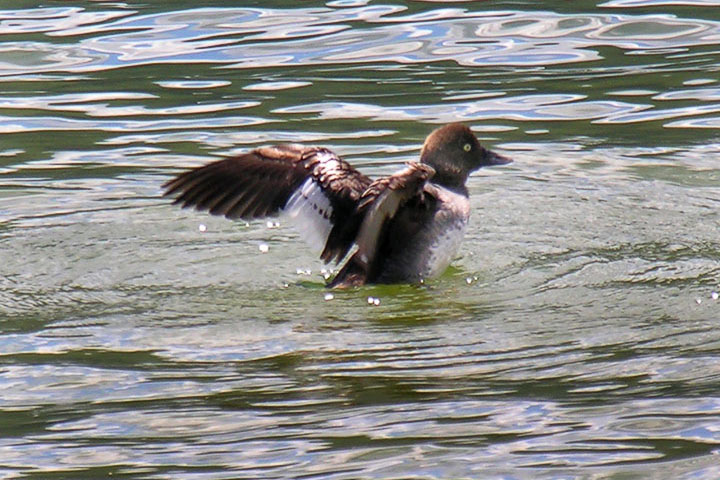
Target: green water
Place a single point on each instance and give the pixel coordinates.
(575, 336)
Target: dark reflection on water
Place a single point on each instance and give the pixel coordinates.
(575, 337)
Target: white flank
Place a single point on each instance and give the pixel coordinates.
(444, 249)
(309, 210)
(446, 245)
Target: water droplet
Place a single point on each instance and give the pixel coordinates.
(469, 280)
(329, 296)
(202, 227)
(715, 295)
(698, 300)
(263, 247)
(373, 301)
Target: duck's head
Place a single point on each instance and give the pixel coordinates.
(454, 152)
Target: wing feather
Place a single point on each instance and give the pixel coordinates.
(380, 203)
(261, 182)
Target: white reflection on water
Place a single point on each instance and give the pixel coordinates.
(523, 107)
(276, 85)
(704, 94)
(193, 84)
(657, 3)
(38, 123)
(708, 122)
(88, 103)
(230, 37)
(225, 139)
(264, 37)
(47, 20)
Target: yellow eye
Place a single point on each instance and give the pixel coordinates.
(467, 147)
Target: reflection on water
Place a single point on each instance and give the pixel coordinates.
(539, 108)
(576, 335)
(274, 37)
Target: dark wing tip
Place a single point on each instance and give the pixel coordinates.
(261, 182)
(248, 186)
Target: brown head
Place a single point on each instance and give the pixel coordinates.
(454, 152)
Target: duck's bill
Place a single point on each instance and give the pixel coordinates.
(492, 158)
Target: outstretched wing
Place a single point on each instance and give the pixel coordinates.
(312, 185)
(379, 205)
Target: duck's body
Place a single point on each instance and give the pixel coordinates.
(422, 246)
(407, 227)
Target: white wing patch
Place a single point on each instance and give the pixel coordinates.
(310, 211)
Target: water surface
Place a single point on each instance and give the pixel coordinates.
(574, 337)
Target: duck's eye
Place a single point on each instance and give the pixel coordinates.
(467, 147)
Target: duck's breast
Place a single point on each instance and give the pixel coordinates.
(430, 249)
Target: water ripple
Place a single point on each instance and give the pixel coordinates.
(576, 334)
(41, 124)
(87, 103)
(267, 37)
(655, 3)
(524, 108)
(254, 39)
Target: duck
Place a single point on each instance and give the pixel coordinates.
(403, 228)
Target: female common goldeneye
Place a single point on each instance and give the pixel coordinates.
(407, 227)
